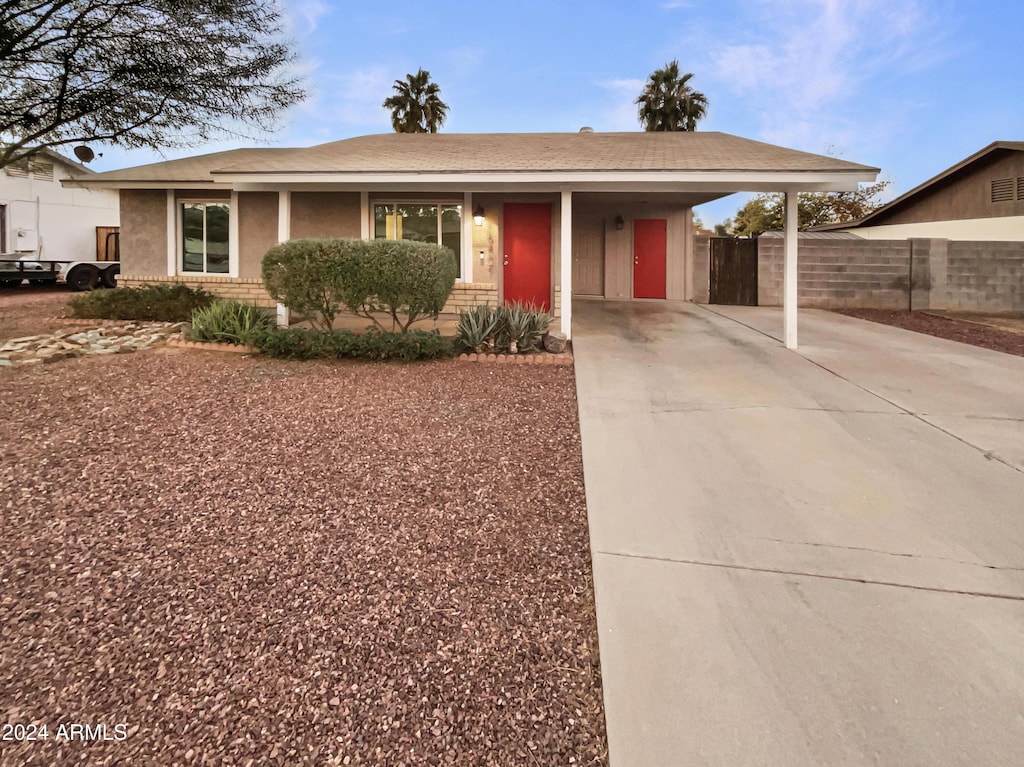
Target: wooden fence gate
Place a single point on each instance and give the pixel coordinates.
(733, 271)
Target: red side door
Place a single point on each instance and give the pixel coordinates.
(649, 248)
(527, 262)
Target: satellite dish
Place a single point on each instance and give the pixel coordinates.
(84, 153)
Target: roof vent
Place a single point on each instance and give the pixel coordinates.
(586, 129)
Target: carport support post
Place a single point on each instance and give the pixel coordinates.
(284, 233)
(789, 272)
(565, 270)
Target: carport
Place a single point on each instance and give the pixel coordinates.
(618, 220)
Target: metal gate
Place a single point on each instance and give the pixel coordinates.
(733, 272)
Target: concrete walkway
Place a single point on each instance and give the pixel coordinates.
(811, 558)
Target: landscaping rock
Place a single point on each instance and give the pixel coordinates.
(554, 342)
(114, 338)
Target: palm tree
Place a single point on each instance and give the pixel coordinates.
(416, 106)
(668, 103)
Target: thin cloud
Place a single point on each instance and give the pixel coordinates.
(344, 103)
(310, 12)
(675, 5)
(823, 58)
(621, 114)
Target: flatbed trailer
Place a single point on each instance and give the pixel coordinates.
(77, 275)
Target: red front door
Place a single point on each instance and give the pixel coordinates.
(649, 247)
(527, 262)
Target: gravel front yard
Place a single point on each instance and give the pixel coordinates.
(1002, 334)
(237, 561)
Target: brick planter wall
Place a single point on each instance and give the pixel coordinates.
(466, 295)
(249, 289)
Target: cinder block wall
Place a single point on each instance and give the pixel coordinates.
(838, 273)
(898, 274)
(985, 276)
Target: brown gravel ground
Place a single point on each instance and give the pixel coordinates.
(977, 331)
(252, 562)
(31, 310)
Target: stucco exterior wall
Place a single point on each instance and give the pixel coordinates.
(325, 214)
(618, 243)
(489, 239)
(144, 232)
(257, 230)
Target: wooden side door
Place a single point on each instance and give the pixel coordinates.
(526, 267)
(588, 258)
(650, 244)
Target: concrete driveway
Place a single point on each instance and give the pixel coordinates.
(810, 558)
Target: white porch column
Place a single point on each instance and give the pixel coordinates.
(466, 267)
(789, 272)
(364, 215)
(172, 234)
(234, 235)
(565, 270)
(284, 233)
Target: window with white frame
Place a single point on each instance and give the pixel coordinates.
(204, 236)
(439, 223)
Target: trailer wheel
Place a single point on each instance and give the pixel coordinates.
(83, 277)
(10, 283)
(108, 277)
(38, 282)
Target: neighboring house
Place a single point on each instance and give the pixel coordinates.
(42, 217)
(979, 199)
(531, 217)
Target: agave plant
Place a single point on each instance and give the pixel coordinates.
(521, 327)
(229, 321)
(477, 328)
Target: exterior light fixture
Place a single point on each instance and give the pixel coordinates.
(478, 215)
(620, 222)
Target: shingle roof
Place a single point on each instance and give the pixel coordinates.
(469, 153)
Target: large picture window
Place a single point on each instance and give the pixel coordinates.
(437, 223)
(204, 237)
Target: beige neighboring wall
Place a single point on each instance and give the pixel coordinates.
(144, 232)
(325, 214)
(1002, 229)
(257, 229)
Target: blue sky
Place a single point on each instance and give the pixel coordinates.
(910, 86)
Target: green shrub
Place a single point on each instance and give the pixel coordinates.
(514, 329)
(154, 303)
(307, 344)
(410, 346)
(409, 281)
(304, 343)
(229, 321)
(305, 275)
